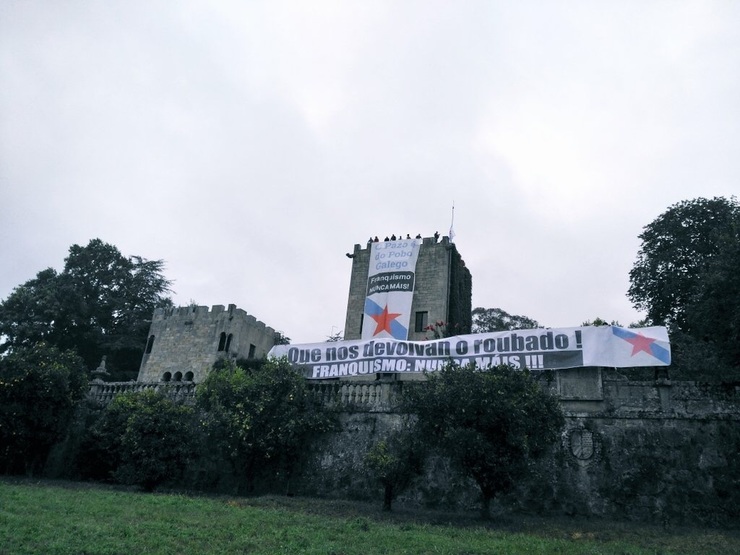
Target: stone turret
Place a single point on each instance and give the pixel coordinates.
(442, 292)
(185, 342)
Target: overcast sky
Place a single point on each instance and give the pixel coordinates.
(250, 145)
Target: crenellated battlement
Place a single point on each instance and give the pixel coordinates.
(425, 242)
(192, 313)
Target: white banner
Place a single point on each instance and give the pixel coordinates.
(390, 289)
(538, 349)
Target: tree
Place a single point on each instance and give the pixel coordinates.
(395, 460)
(100, 304)
(491, 423)
(261, 417)
(687, 277)
(487, 320)
(281, 338)
(713, 315)
(600, 322)
(40, 387)
(678, 249)
(143, 438)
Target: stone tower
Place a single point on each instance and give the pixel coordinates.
(185, 342)
(442, 292)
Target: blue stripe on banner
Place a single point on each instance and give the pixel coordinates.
(372, 308)
(398, 331)
(659, 352)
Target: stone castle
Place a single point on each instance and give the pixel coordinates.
(646, 448)
(185, 342)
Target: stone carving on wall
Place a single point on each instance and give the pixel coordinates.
(583, 445)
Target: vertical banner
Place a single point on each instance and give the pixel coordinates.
(390, 289)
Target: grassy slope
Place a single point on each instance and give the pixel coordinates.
(62, 517)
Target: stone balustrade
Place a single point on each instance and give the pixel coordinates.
(357, 397)
(620, 398)
(105, 392)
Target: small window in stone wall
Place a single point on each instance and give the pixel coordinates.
(166, 377)
(222, 341)
(421, 321)
(362, 321)
(178, 376)
(188, 376)
(228, 342)
(149, 344)
(252, 348)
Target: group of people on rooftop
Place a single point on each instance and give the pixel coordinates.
(400, 238)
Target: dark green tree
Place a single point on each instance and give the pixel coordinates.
(281, 338)
(678, 250)
(141, 438)
(491, 423)
(40, 387)
(261, 418)
(487, 320)
(395, 461)
(686, 277)
(100, 304)
(713, 315)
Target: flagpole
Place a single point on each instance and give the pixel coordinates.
(452, 223)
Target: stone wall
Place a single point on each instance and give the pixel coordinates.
(654, 451)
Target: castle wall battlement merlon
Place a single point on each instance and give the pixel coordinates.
(204, 312)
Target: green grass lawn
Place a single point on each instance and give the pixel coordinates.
(65, 517)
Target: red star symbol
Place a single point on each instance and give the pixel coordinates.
(383, 320)
(640, 343)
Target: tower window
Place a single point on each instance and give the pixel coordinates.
(422, 319)
(222, 341)
(149, 344)
(252, 348)
(228, 342)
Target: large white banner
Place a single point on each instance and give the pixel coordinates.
(390, 289)
(538, 349)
